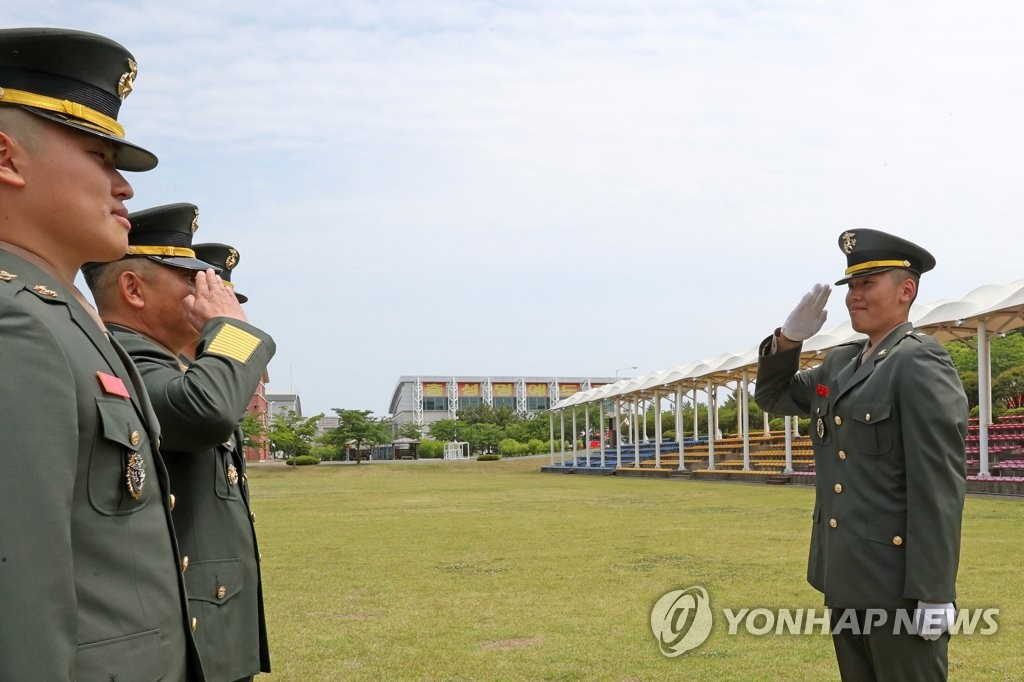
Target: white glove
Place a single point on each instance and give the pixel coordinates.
(931, 620)
(807, 317)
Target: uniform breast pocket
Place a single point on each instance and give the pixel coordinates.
(120, 465)
(873, 428)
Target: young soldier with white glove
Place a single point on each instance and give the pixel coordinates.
(888, 422)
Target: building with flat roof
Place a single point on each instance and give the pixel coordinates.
(281, 403)
(423, 400)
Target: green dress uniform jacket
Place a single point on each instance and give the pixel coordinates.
(200, 408)
(888, 439)
(90, 581)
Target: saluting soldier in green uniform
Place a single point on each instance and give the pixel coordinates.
(90, 582)
(888, 422)
(166, 306)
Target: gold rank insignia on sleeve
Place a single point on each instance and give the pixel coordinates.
(234, 343)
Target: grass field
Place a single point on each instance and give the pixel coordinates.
(494, 571)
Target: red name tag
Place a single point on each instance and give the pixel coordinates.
(112, 385)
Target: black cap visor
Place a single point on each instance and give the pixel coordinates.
(129, 157)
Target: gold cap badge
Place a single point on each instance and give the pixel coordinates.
(127, 81)
(849, 241)
(232, 260)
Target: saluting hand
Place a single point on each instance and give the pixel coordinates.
(212, 299)
(809, 315)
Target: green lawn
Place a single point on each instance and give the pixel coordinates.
(492, 570)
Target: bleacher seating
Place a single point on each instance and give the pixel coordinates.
(767, 458)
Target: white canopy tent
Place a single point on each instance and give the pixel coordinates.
(981, 314)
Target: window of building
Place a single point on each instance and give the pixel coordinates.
(435, 404)
(537, 403)
(505, 402)
(470, 402)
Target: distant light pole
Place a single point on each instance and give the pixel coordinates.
(622, 369)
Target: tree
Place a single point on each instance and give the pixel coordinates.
(485, 414)
(359, 427)
(444, 429)
(412, 431)
(253, 431)
(1008, 387)
(488, 436)
(291, 434)
(970, 382)
(1007, 352)
(533, 428)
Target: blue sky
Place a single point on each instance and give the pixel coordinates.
(568, 187)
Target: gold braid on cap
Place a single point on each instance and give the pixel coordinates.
(161, 251)
(860, 267)
(62, 106)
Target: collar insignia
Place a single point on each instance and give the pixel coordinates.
(44, 290)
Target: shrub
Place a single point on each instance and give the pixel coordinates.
(668, 434)
(488, 458)
(510, 447)
(535, 446)
(431, 449)
(325, 453)
(302, 460)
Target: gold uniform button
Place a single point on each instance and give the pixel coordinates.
(173, 500)
(833, 523)
(867, 416)
(184, 564)
(838, 487)
(842, 454)
(838, 420)
(252, 517)
(222, 592)
(195, 623)
(134, 438)
(897, 540)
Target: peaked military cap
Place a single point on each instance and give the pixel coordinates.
(74, 78)
(164, 234)
(224, 257)
(870, 251)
